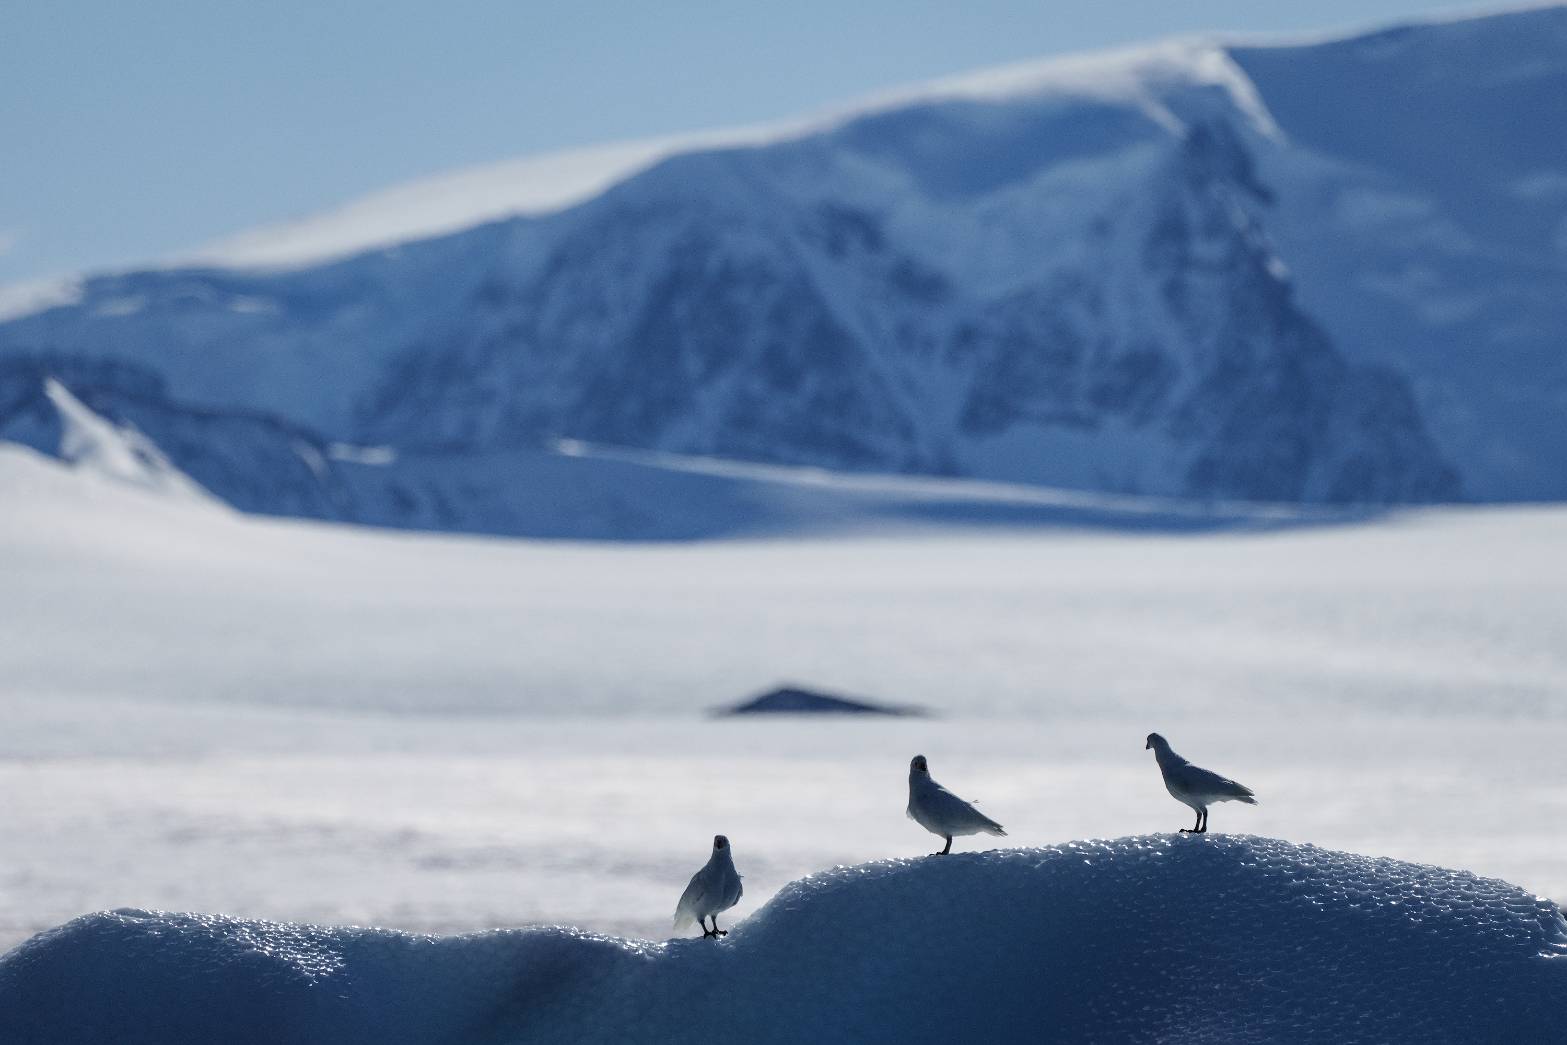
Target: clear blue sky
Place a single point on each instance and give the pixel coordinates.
(135, 129)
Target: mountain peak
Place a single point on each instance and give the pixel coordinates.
(1133, 76)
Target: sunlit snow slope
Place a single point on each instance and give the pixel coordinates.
(1156, 938)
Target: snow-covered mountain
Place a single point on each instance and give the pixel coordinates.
(1320, 272)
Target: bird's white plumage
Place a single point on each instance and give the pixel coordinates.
(1192, 785)
(712, 890)
(941, 812)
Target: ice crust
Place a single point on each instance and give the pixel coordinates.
(1154, 938)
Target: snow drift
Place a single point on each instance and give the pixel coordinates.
(1223, 938)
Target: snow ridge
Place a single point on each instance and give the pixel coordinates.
(548, 182)
(1157, 938)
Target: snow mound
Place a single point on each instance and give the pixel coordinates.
(1157, 938)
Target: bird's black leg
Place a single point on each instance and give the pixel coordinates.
(716, 930)
(1195, 830)
(1202, 823)
(706, 932)
(948, 847)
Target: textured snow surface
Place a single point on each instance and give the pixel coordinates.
(1153, 938)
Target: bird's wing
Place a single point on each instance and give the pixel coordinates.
(692, 900)
(1198, 780)
(954, 812)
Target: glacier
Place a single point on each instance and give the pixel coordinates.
(1145, 938)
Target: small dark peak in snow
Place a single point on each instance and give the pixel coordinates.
(793, 700)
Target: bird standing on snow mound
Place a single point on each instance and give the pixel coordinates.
(941, 812)
(1193, 785)
(713, 889)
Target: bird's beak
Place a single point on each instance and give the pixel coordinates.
(1147, 744)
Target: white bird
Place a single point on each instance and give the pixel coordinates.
(1193, 785)
(713, 889)
(941, 812)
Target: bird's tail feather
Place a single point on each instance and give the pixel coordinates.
(1237, 792)
(683, 920)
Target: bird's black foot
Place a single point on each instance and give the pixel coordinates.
(720, 932)
(1187, 831)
